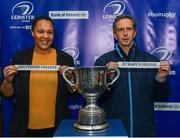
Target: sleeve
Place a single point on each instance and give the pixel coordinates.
(162, 90)
(68, 60)
(71, 64)
(100, 62)
(16, 58)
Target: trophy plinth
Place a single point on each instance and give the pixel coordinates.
(91, 82)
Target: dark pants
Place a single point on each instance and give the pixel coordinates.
(48, 132)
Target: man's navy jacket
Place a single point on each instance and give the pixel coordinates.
(145, 90)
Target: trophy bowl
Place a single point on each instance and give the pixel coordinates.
(91, 82)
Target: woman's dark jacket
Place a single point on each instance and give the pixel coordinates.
(19, 122)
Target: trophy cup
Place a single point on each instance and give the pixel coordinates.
(91, 82)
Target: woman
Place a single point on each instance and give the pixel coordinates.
(0, 103)
(40, 96)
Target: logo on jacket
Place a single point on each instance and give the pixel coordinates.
(113, 9)
(162, 53)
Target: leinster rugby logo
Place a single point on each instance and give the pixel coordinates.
(113, 9)
(23, 8)
(22, 11)
(73, 51)
(162, 53)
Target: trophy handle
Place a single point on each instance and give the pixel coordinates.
(73, 86)
(118, 73)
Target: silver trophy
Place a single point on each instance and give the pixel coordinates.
(91, 82)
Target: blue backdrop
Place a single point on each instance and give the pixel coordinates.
(84, 29)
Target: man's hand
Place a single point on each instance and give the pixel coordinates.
(163, 70)
(112, 64)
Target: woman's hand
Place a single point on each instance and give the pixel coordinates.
(9, 73)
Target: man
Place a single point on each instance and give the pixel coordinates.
(131, 97)
(0, 103)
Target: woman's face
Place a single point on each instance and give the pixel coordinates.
(43, 34)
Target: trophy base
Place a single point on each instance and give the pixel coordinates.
(83, 127)
(91, 115)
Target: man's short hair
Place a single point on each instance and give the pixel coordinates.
(119, 17)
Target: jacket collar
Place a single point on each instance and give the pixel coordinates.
(121, 53)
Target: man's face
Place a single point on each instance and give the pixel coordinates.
(43, 34)
(124, 32)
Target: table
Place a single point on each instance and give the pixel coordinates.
(66, 130)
